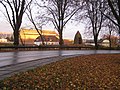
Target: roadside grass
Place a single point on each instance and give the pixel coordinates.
(91, 72)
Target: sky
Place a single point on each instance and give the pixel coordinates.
(5, 27)
(68, 32)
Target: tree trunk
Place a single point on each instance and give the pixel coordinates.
(16, 37)
(60, 38)
(110, 42)
(40, 34)
(119, 36)
(95, 41)
(23, 44)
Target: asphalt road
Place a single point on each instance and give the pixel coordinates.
(10, 58)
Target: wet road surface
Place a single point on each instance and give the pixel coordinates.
(10, 58)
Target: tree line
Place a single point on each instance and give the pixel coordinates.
(99, 15)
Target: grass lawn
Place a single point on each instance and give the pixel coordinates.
(91, 72)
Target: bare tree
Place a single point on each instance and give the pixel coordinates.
(115, 9)
(41, 20)
(14, 12)
(60, 12)
(108, 25)
(113, 6)
(95, 17)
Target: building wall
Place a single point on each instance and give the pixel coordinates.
(29, 35)
(3, 40)
(46, 43)
(105, 43)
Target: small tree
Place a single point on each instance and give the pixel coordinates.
(78, 38)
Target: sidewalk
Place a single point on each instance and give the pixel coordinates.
(7, 71)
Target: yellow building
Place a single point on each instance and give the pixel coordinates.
(28, 36)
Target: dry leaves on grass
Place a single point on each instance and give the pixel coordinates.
(91, 72)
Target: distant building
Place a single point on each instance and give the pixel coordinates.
(48, 40)
(31, 36)
(78, 38)
(5, 37)
(2, 40)
(105, 43)
(113, 39)
(68, 42)
(89, 42)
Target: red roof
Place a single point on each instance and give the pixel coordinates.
(47, 39)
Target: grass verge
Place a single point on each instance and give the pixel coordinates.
(91, 72)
